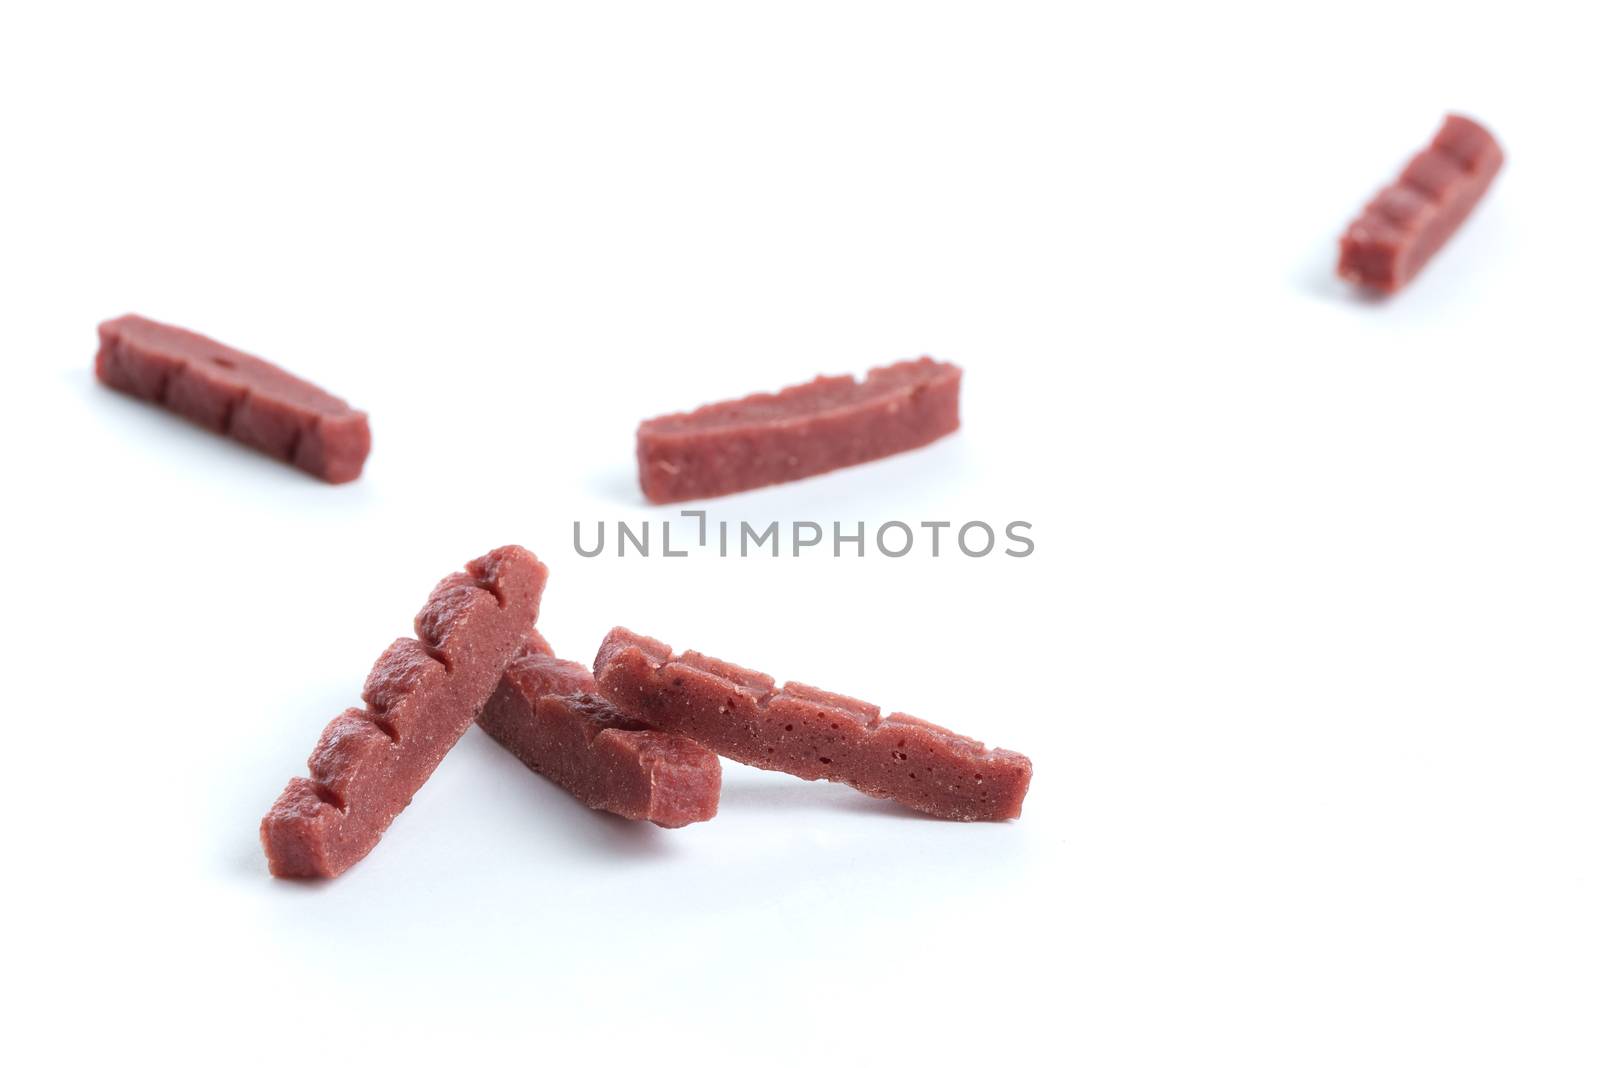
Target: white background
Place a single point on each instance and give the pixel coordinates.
(1305, 658)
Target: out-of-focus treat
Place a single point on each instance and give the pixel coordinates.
(235, 394)
(805, 430)
(1409, 220)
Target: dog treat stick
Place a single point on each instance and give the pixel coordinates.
(547, 713)
(234, 394)
(809, 732)
(801, 431)
(1408, 221)
(420, 698)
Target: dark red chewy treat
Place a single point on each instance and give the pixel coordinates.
(547, 714)
(806, 430)
(810, 732)
(1408, 221)
(234, 394)
(421, 696)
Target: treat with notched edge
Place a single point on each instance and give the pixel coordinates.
(806, 430)
(1408, 221)
(547, 714)
(420, 698)
(808, 732)
(234, 394)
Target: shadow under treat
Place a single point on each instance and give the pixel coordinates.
(779, 792)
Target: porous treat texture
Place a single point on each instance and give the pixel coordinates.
(808, 732)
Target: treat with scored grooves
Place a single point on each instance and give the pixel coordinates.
(547, 714)
(1408, 221)
(809, 732)
(805, 430)
(234, 394)
(420, 698)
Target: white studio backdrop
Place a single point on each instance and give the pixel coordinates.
(1303, 656)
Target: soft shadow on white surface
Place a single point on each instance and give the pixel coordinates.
(542, 822)
(152, 429)
(1303, 656)
(554, 819)
(1449, 276)
(777, 795)
(1318, 278)
(163, 439)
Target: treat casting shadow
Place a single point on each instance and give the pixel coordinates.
(554, 816)
(776, 792)
(149, 430)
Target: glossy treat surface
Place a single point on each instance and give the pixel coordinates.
(1409, 220)
(421, 696)
(809, 732)
(547, 714)
(805, 430)
(234, 394)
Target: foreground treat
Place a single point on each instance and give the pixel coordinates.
(799, 432)
(546, 712)
(1407, 222)
(421, 697)
(809, 732)
(235, 394)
